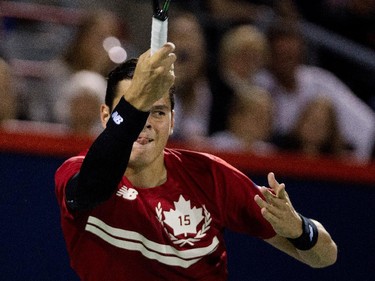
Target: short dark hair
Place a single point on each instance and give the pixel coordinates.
(125, 71)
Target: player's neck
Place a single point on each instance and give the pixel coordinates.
(148, 177)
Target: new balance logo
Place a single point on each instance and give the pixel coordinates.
(117, 118)
(127, 193)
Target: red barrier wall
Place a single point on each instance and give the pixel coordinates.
(54, 142)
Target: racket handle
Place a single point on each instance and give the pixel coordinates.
(159, 32)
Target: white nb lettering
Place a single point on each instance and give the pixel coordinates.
(117, 118)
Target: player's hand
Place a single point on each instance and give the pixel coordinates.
(277, 209)
(153, 77)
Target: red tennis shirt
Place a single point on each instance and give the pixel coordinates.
(170, 232)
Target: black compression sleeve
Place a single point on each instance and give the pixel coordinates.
(107, 158)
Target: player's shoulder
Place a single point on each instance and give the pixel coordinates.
(195, 157)
(312, 71)
(72, 163)
(75, 159)
(187, 153)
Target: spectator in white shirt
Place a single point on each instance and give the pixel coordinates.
(293, 84)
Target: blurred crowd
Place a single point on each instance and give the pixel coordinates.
(244, 77)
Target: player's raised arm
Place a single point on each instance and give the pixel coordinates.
(136, 87)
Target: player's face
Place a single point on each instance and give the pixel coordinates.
(148, 148)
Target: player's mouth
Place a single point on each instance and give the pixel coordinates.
(144, 140)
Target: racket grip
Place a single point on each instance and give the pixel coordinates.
(159, 32)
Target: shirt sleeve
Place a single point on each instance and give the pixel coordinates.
(62, 176)
(239, 211)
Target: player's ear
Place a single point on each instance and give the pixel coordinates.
(105, 114)
(172, 123)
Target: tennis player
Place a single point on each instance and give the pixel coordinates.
(132, 209)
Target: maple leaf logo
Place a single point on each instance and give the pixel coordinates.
(183, 219)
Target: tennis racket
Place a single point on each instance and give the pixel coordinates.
(159, 28)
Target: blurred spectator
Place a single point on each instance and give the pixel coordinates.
(354, 19)
(86, 51)
(249, 124)
(316, 132)
(242, 52)
(236, 11)
(77, 106)
(292, 84)
(8, 97)
(353, 23)
(193, 96)
(250, 10)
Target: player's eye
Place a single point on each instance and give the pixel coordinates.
(158, 113)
